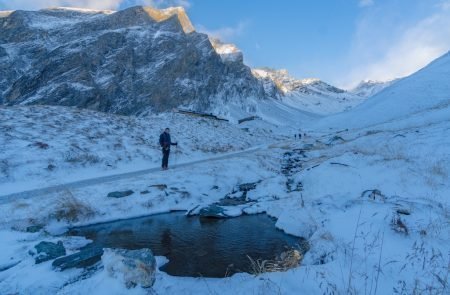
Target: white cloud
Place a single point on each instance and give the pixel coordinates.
(413, 48)
(156, 3)
(94, 4)
(38, 4)
(365, 3)
(226, 34)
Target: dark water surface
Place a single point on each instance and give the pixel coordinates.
(195, 246)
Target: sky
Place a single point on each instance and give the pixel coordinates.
(339, 41)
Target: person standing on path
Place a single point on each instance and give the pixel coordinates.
(165, 142)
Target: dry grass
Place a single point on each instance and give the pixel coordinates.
(398, 225)
(70, 209)
(287, 260)
(81, 158)
(436, 174)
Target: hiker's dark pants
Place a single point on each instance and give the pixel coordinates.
(165, 159)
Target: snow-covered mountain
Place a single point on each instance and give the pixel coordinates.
(368, 88)
(128, 62)
(311, 95)
(424, 94)
(142, 60)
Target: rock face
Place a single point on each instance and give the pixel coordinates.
(128, 62)
(134, 267)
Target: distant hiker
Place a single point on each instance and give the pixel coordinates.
(165, 142)
(295, 136)
(299, 136)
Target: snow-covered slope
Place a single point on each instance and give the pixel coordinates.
(41, 145)
(312, 95)
(369, 88)
(373, 205)
(416, 95)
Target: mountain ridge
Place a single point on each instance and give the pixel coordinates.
(311, 94)
(123, 62)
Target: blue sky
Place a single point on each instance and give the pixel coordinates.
(339, 41)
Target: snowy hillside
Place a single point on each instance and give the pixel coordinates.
(51, 145)
(416, 95)
(311, 95)
(373, 205)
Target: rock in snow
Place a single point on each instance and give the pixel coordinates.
(47, 251)
(120, 194)
(134, 267)
(80, 259)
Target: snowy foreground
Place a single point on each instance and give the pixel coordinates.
(374, 204)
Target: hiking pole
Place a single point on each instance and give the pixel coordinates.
(176, 155)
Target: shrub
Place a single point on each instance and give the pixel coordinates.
(70, 209)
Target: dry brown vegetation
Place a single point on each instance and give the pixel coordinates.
(70, 209)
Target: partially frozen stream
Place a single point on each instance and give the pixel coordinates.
(195, 246)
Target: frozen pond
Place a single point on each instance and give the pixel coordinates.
(195, 246)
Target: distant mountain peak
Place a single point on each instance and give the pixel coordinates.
(5, 13)
(287, 83)
(227, 51)
(310, 94)
(368, 88)
(160, 15)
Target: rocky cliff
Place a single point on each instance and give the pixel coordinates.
(129, 62)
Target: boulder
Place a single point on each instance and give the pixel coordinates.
(213, 211)
(34, 228)
(245, 187)
(47, 251)
(84, 258)
(335, 139)
(120, 194)
(374, 195)
(230, 201)
(134, 267)
(161, 187)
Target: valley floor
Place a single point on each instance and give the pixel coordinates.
(373, 203)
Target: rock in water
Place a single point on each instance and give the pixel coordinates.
(48, 251)
(135, 267)
(213, 211)
(120, 194)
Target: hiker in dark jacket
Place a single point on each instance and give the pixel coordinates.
(165, 142)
